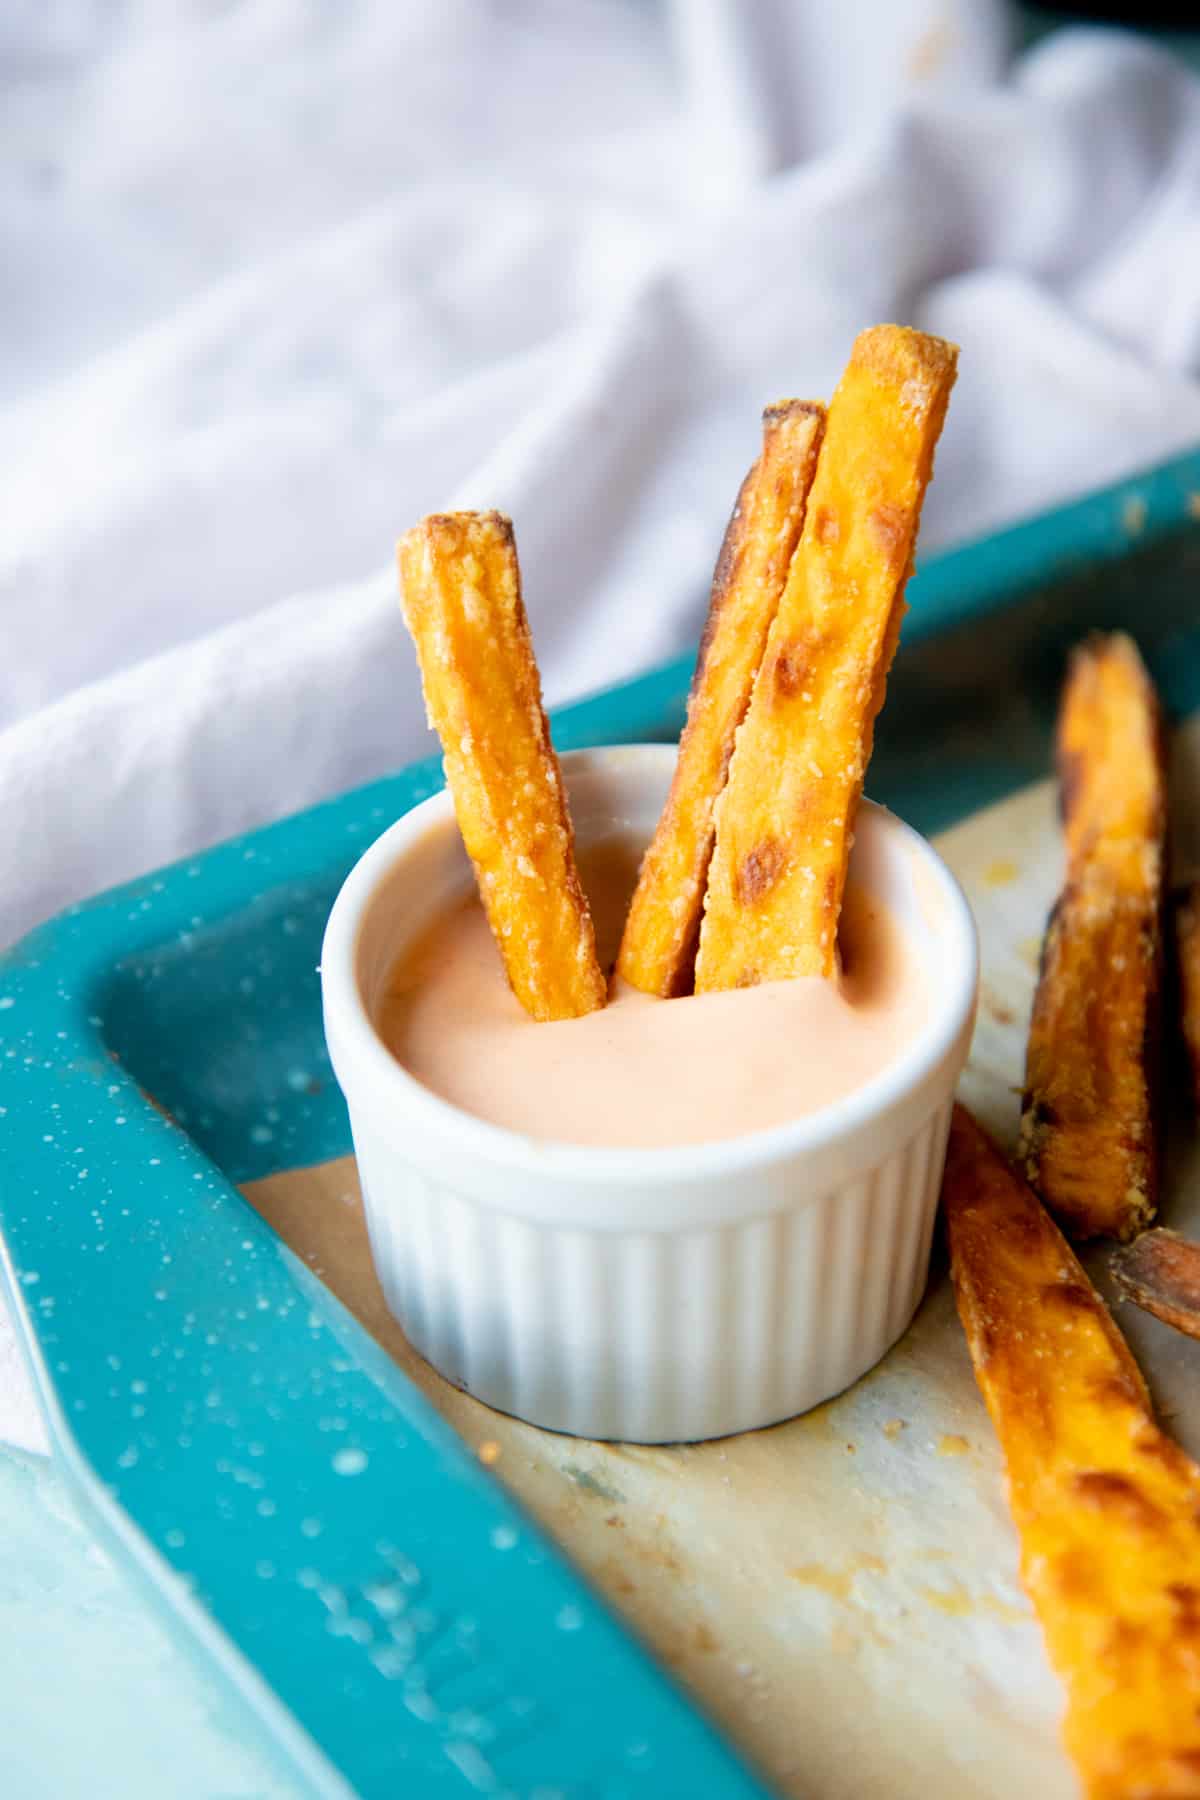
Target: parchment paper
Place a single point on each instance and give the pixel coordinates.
(840, 1592)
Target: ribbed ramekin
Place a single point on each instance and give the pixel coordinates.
(651, 1295)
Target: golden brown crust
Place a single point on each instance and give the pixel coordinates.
(658, 947)
(785, 821)
(1089, 1125)
(461, 594)
(1106, 1505)
(1161, 1274)
(1187, 951)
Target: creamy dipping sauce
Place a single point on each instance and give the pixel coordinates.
(643, 1071)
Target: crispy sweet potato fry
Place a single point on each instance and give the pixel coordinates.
(785, 821)
(461, 594)
(1089, 1123)
(1187, 952)
(1161, 1274)
(1106, 1505)
(658, 948)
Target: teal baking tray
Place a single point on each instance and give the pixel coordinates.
(392, 1615)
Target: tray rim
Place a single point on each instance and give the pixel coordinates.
(964, 583)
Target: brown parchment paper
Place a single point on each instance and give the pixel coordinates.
(840, 1593)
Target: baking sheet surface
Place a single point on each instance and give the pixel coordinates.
(839, 1592)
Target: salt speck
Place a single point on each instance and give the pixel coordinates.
(175, 1538)
(6, 1001)
(349, 1462)
(503, 1537)
(128, 1457)
(310, 1528)
(385, 1598)
(471, 1763)
(390, 1660)
(261, 1134)
(568, 1618)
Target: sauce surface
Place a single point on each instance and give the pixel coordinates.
(644, 1072)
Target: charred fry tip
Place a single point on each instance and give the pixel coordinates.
(1160, 1273)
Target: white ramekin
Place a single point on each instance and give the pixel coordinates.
(651, 1295)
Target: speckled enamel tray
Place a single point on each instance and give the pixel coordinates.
(396, 1619)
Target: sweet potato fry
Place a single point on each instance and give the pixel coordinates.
(1089, 1124)
(461, 594)
(658, 948)
(1187, 953)
(1160, 1272)
(785, 821)
(1106, 1505)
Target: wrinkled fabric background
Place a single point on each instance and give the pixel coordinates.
(278, 276)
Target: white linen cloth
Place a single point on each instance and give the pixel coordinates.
(281, 276)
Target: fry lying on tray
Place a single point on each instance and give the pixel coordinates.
(785, 821)
(658, 948)
(1187, 955)
(461, 593)
(1089, 1122)
(1160, 1272)
(1107, 1506)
